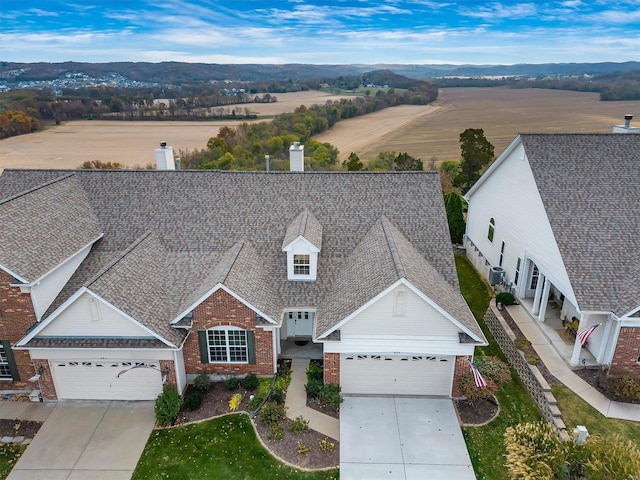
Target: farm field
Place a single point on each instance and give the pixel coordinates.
(422, 131)
(130, 143)
(501, 112)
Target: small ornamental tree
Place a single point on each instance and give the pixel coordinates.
(495, 372)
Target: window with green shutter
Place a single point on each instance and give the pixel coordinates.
(8, 367)
(227, 345)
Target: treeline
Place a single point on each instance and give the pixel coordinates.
(611, 86)
(14, 123)
(245, 146)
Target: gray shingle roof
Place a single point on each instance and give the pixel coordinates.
(209, 225)
(589, 187)
(383, 257)
(45, 226)
(307, 226)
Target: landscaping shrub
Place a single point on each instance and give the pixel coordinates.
(277, 396)
(283, 369)
(202, 382)
(168, 406)
(272, 413)
(505, 298)
(302, 448)
(315, 372)
(330, 395)
(232, 383)
(255, 402)
(251, 381)
(624, 386)
(326, 445)
(276, 432)
(299, 425)
(235, 401)
(313, 388)
(193, 401)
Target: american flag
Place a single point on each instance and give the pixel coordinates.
(585, 333)
(477, 376)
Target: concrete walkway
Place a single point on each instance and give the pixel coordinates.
(547, 352)
(296, 403)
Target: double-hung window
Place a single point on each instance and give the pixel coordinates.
(301, 264)
(227, 345)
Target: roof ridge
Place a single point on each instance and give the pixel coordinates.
(304, 217)
(118, 258)
(393, 248)
(37, 187)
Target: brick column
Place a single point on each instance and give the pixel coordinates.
(46, 380)
(461, 369)
(171, 376)
(332, 368)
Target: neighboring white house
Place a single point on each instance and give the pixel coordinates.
(558, 214)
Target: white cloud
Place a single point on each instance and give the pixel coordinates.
(498, 11)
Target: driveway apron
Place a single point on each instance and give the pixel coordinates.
(88, 440)
(400, 438)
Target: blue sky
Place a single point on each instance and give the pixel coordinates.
(314, 31)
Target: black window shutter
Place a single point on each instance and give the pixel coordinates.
(13, 368)
(204, 346)
(251, 346)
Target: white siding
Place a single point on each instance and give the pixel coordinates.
(510, 195)
(418, 318)
(89, 317)
(47, 289)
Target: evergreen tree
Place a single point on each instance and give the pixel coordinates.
(404, 161)
(453, 205)
(353, 163)
(477, 153)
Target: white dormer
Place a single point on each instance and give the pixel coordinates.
(302, 243)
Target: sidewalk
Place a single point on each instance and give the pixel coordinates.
(545, 349)
(296, 403)
(24, 411)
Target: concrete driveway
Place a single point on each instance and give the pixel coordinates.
(88, 441)
(398, 438)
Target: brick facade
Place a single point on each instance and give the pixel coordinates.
(47, 386)
(460, 369)
(171, 379)
(16, 316)
(332, 368)
(222, 309)
(627, 351)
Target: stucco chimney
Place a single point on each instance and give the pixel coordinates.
(164, 157)
(296, 157)
(626, 128)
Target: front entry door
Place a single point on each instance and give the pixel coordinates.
(299, 324)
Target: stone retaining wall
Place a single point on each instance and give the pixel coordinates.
(529, 374)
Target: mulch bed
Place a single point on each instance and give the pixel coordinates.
(477, 412)
(215, 402)
(18, 428)
(322, 407)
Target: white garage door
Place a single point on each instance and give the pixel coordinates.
(101, 380)
(396, 375)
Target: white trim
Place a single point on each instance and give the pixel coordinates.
(415, 290)
(15, 275)
(72, 299)
(289, 246)
(69, 258)
(210, 292)
(503, 156)
(630, 313)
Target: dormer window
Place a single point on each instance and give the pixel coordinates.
(302, 244)
(301, 264)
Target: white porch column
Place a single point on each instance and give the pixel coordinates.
(545, 299)
(536, 297)
(577, 346)
(605, 341)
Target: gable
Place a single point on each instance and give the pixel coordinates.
(509, 194)
(88, 316)
(400, 312)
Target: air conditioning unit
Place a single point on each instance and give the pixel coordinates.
(496, 275)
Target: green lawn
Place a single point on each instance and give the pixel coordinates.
(222, 448)
(9, 455)
(485, 444)
(576, 411)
